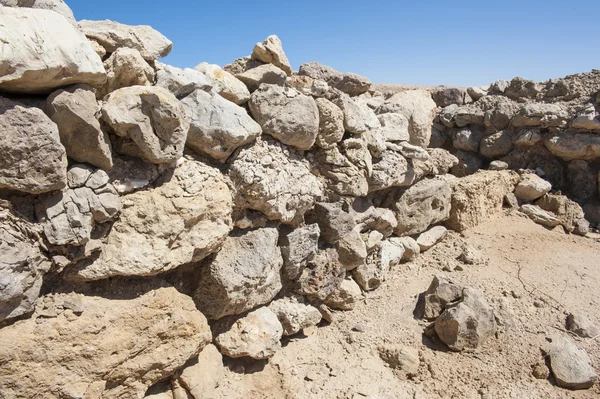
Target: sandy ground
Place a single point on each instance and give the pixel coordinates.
(532, 278)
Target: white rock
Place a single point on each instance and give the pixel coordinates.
(126, 67)
(358, 117)
(431, 237)
(58, 6)
(182, 82)
(271, 52)
(540, 216)
(331, 123)
(228, 85)
(532, 187)
(394, 127)
(345, 297)
(264, 74)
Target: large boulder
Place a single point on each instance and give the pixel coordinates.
(445, 96)
(76, 345)
(152, 118)
(33, 159)
(349, 83)
(424, 204)
(126, 67)
(271, 52)
(391, 170)
(181, 221)
(287, 115)
(42, 51)
(264, 74)
(74, 110)
(271, 178)
(58, 6)
(243, 275)
(113, 35)
(217, 126)
(476, 197)
(442, 293)
(542, 115)
(182, 82)
(418, 107)
(570, 365)
(227, 85)
(22, 264)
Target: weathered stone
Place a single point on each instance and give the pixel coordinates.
(33, 159)
(131, 342)
(272, 179)
(352, 250)
(499, 112)
(570, 146)
(294, 314)
(469, 115)
(468, 138)
(322, 276)
(570, 214)
(242, 64)
(571, 366)
(152, 118)
(431, 237)
(371, 218)
(243, 275)
(411, 248)
(267, 74)
(181, 221)
(202, 376)
(349, 83)
(468, 324)
(373, 272)
(441, 294)
(540, 216)
(401, 358)
(113, 35)
(42, 51)
(307, 85)
(358, 117)
(287, 115)
(331, 123)
(74, 111)
(391, 170)
(587, 120)
(542, 115)
(444, 96)
(182, 82)
(532, 187)
(496, 145)
(476, 92)
(394, 127)
(582, 181)
(126, 67)
(58, 6)
(334, 221)
(528, 137)
(297, 248)
(520, 88)
(217, 126)
(345, 296)
(424, 204)
(581, 326)
(227, 85)
(271, 52)
(255, 335)
(498, 165)
(440, 162)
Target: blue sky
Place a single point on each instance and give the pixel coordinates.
(424, 42)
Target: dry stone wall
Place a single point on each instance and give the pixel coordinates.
(139, 200)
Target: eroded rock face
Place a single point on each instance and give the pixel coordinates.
(345, 296)
(532, 187)
(358, 117)
(271, 52)
(442, 293)
(570, 213)
(227, 85)
(297, 248)
(244, 274)
(42, 51)
(126, 67)
(267, 74)
(322, 276)
(113, 35)
(58, 6)
(76, 345)
(152, 118)
(182, 82)
(217, 126)
(22, 264)
(203, 376)
(294, 314)
(381, 258)
(75, 110)
(331, 123)
(349, 83)
(287, 115)
(181, 221)
(272, 179)
(33, 159)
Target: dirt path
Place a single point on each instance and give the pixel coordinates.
(531, 276)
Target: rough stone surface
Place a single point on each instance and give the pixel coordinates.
(352, 250)
(217, 126)
(113, 35)
(401, 358)
(333, 219)
(58, 6)
(581, 326)
(394, 127)
(570, 365)
(287, 115)
(391, 170)
(182, 82)
(540, 216)
(358, 117)
(227, 85)
(349, 83)
(297, 248)
(411, 247)
(271, 52)
(243, 275)
(532, 187)
(570, 213)
(445, 96)
(152, 118)
(255, 335)
(322, 276)
(431, 237)
(126, 67)
(74, 110)
(267, 74)
(272, 179)
(203, 375)
(441, 294)
(331, 123)
(42, 51)
(570, 146)
(381, 259)
(307, 85)
(33, 159)
(294, 314)
(345, 296)
(179, 222)
(369, 217)
(132, 345)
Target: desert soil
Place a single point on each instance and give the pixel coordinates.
(532, 277)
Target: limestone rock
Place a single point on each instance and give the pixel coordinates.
(445, 96)
(498, 165)
(297, 248)
(391, 170)
(181, 221)
(418, 107)
(468, 163)
(587, 120)
(476, 197)
(182, 82)
(243, 275)
(441, 294)
(287, 115)
(132, 343)
(58, 6)
(380, 260)
(468, 324)
(126, 67)
(542, 115)
(532, 187)
(22, 264)
(570, 146)
(394, 127)
(33, 159)
(217, 126)
(476, 92)
(113, 35)
(528, 137)
(581, 326)
(496, 145)
(540, 216)
(401, 358)
(582, 181)
(322, 276)
(74, 111)
(202, 376)
(349, 83)
(152, 118)
(468, 138)
(307, 85)
(255, 335)
(424, 204)
(267, 74)
(294, 314)
(272, 179)
(42, 51)
(570, 365)
(431, 237)
(570, 213)
(358, 117)
(352, 250)
(331, 123)
(228, 85)
(242, 64)
(271, 52)
(345, 296)
(369, 217)
(333, 219)
(411, 248)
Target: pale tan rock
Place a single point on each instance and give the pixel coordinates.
(331, 123)
(540, 216)
(391, 170)
(182, 82)
(42, 51)
(570, 146)
(532, 187)
(125, 345)
(349, 83)
(202, 377)
(228, 85)
(307, 85)
(345, 296)
(271, 52)
(358, 117)
(264, 74)
(58, 6)
(431, 237)
(126, 67)
(294, 314)
(570, 365)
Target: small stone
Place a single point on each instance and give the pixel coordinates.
(401, 358)
(570, 365)
(532, 187)
(581, 326)
(498, 165)
(431, 237)
(540, 371)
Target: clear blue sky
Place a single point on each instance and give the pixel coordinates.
(457, 42)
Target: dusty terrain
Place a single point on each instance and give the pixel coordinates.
(532, 276)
